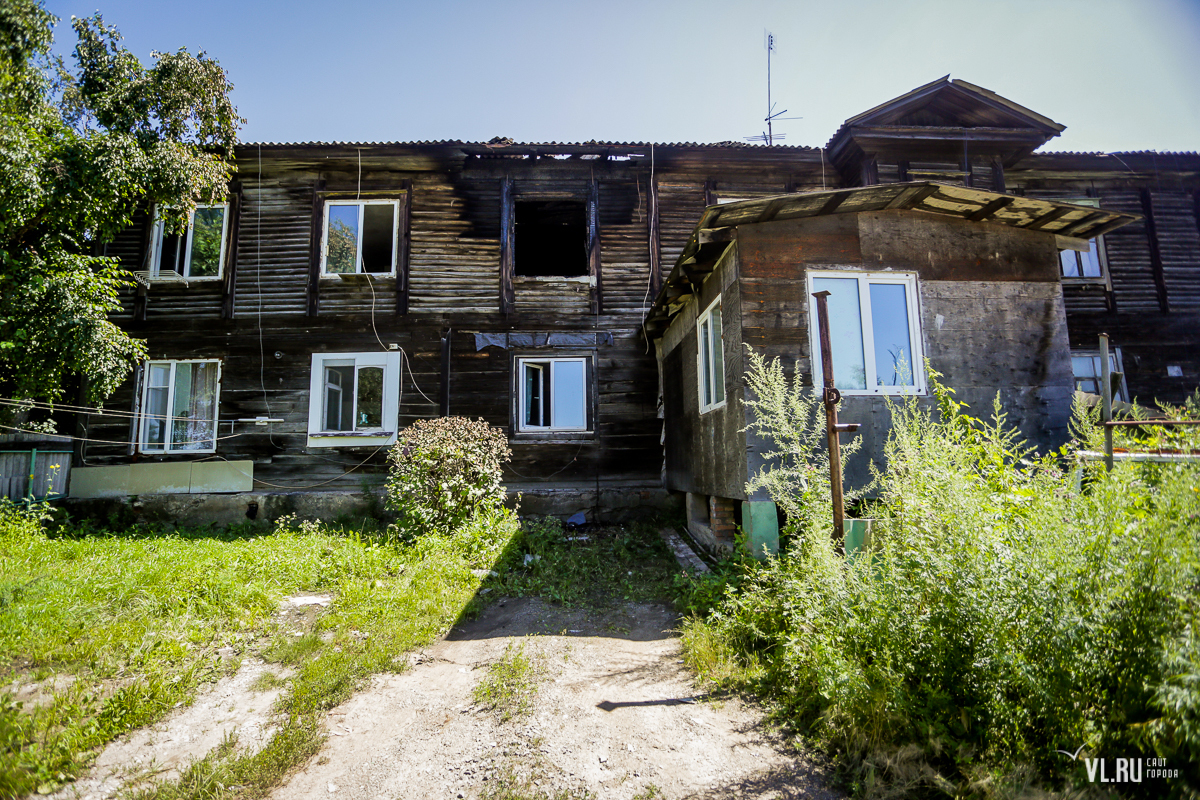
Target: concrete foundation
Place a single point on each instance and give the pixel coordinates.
(616, 505)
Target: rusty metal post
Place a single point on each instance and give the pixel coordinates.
(832, 397)
(1106, 405)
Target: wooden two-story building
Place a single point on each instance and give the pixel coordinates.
(345, 290)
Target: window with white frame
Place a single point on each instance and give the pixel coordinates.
(198, 252)
(354, 398)
(552, 395)
(1087, 265)
(179, 406)
(710, 357)
(874, 332)
(1085, 364)
(360, 237)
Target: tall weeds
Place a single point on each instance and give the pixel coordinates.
(1008, 609)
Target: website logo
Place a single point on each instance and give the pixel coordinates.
(1122, 770)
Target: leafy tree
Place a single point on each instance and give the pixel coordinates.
(81, 149)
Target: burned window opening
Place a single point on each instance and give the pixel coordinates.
(551, 238)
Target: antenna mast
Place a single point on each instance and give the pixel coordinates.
(768, 137)
(770, 107)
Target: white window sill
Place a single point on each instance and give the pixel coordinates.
(356, 277)
(351, 439)
(713, 407)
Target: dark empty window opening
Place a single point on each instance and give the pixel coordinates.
(551, 238)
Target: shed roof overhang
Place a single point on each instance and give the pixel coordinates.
(1072, 224)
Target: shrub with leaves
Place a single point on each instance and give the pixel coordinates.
(444, 470)
(1010, 608)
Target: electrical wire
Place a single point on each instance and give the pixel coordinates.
(262, 358)
(414, 382)
(110, 441)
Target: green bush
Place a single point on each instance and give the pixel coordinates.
(1002, 615)
(442, 471)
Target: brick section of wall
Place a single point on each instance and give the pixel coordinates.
(720, 518)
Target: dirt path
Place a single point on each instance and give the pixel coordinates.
(614, 715)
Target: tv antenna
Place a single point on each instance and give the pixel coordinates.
(769, 136)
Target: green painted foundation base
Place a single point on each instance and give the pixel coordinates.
(761, 526)
(858, 535)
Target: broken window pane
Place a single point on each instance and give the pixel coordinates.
(893, 349)
(845, 331)
(370, 399)
(551, 238)
(379, 240)
(341, 239)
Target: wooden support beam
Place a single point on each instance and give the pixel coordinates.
(902, 171)
(911, 197)
(998, 175)
(1105, 227)
(988, 211)
(1048, 217)
(717, 235)
(869, 171)
(508, 230)
(314, 250)
(593, 245)
(229, 280)
(710, 193)
(1080, 224)
(655, 245)
(773, 208)
(444, 404)
(833, 202)
(405, 246)
(1156, 265)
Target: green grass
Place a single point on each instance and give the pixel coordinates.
(599, 568)
(137, 619)
(511, 683)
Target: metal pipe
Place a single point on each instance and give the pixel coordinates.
(1106, 407)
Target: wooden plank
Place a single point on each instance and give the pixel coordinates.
(314, 252)
(833, 202)
(1071, 228)
(229, 284)
(989, 210)
(593, 245)
(507, 244)
(710, 193)
(773, 208)
(1156, 263)
(654, 243)
(1048, 217)
(911, 197)
(868, 171)
(998, 175)
(444, 409)
(405, 244)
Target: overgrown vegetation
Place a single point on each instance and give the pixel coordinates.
(1010, 608)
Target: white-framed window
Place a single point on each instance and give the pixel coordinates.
(552, 394)
(360, 237)
(710, 357)
(354, 399)
(1085, 364)
(179, 406)
(1086, 265)
(196, 254)
(874, 332)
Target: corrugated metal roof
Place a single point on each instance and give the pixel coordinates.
(499, 145)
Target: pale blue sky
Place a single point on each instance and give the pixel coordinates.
(1120, 74)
